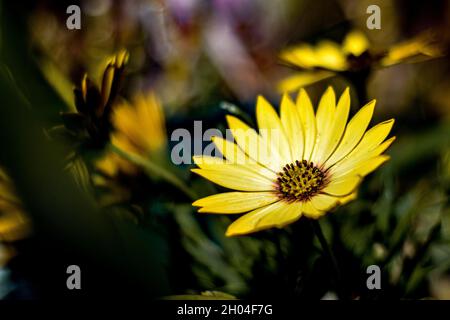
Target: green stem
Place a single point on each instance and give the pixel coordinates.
(359, 80)
(155, 170)
(330, 256)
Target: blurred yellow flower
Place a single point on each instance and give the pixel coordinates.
(300, 164)
(139, 128)
(354, 54)
(14, 223)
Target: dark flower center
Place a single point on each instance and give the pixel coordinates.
(299, 181)
(361, 62)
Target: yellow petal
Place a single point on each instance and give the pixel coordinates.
(141, 123)
(347, 199)
(291, 122)
(231, 151)
(382, 147)
(324, 121)
(355, 43)
(219, 164)
(253, 145)
(291, 213)
(372, 139)
(302, 56)
(107, 80)
(122, 58)
(271, 130)
(123, 142)
(338, 126)
(234, 154)
(330, 56)
(237, 178)
(308, 120)
(343, 186)
(14, 225)
(347, 165)
(362, 168)
(210, 163)
(303, 79)
(310, 211)
(371, 165)
(277, 214)
(111, 164)
(353, 133)
(151, 117)
(235, 202)
(84, 86)
(420, 48)
(324, 202)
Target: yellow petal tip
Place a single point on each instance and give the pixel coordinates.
(229, 233)
(346, 91)
(230, 118)
(197, 159)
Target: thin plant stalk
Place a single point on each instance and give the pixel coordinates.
(156, 170)
(330, 256)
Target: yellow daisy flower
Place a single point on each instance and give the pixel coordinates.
(139, 128)
(299, 164)
(328, 58)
